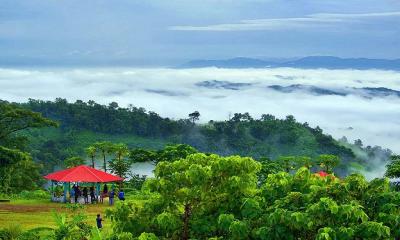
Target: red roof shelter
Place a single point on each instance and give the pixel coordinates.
(82, 173)
(79, 174)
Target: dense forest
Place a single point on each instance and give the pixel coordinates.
(82, 123)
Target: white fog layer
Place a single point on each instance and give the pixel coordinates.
(361, 104)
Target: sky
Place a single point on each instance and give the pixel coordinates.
(166, 33)
(125, 51)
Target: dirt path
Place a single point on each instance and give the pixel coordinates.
(6, 207)
(43, 207)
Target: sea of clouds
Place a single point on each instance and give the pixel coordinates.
(217, 93)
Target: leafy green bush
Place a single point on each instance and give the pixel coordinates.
(36, 194)
(147, 236)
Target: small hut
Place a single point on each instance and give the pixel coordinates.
(79, 174)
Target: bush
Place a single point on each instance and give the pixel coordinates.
(36, 194)
(11, 232)
(147, 236)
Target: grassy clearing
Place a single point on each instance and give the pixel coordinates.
(40, 213)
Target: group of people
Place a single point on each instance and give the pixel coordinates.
(76, 193)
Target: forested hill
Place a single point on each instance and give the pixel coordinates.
(82, 123)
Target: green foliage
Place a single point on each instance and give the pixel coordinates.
(135, 181)
(241, 135)
(191, 194)
(72, 226)
(175, 152)
(328, 162)
(225, 221)
(74, 162)
(142, 155)
(17, 170)
(14, 119)
(221, 197)
(12, 232)
(36, 194)
(238, 230)
(104, 148)
(91, 153)
(147, 236)
(393, 167)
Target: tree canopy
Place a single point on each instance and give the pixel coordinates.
(213, 197)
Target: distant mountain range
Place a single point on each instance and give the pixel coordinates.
(327, 62)
(366, 92)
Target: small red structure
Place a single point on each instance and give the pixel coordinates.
(322, 174)
(82, 173)
(79, 174)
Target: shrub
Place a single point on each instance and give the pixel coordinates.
(36, 194)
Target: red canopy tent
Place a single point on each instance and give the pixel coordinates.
(82, 173)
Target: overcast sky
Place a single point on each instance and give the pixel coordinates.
(169, 32)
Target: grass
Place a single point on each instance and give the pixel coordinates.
(40, 213)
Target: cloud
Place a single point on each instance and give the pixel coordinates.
(175, 92)
(311, 20)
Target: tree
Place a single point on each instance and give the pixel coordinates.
(328, 162)
(119, 165)
(175, 152)
(192, 192)
(120, 150)
(393, 167)
(288, 163)
(104, 148)
(91, 152)
(142, 155)
(14, 119)
(73, 162)
(268, 167)
(303, 161)
(17, 169)
(194, 116)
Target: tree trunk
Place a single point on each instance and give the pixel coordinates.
(92, 162)
(104, 163)
(186, 218)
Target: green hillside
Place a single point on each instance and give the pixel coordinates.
(83, 123)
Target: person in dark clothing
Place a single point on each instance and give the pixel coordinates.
(92, 195)
(77, 194)
(98, 221)
(104, 193)
(111, 197)
(85, 195)
(76, 191)
(121, 195)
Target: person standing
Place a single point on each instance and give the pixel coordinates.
(104, 193)
(76, 193)
(85, 195)
(121, 195)
(98, 221)
(111, 197)
(92, 195)
(72, 194)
